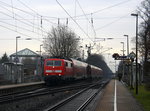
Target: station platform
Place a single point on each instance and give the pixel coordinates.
(2, 87)
(116, 97)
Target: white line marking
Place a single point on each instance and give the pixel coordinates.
(115, 98)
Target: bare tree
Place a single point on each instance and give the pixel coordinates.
(144, 38)
(144, 34)
(62, 42)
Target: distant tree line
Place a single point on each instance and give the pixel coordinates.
(144, 34)
(144, 37)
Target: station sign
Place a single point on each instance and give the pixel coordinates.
(128, 58)
(132, 55)
(122, 56)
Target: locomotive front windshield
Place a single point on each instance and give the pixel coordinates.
(54, 63)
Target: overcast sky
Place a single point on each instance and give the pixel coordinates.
(111, 19)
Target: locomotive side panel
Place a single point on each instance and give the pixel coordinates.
(68, 69)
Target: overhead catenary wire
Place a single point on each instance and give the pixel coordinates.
(114, 5)
(97, 11)
(29, 23)
(83, 14)
(94, 12)
(91, 22)
(19, 20)
(38, 39)
(25, 29)
(83, 11)
(14, 30)
(20, 33)
(4, 26)
(36, 12)
(93, 27)
(32, 9)
(120, 3)
(12, 8)
(74, 20)
(32, 14)
(106, 25)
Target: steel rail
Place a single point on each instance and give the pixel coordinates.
(63, 102)
(19, 96)
(85, 104)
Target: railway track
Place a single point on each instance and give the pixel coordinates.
(80, 100)
(38, 92)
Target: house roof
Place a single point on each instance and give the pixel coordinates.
(25, 53)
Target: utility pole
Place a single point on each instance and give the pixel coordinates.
(16, 59)
(89, 50)
(41, 60)
(128, 73)
(127, 44)
(123, 59)
(136, 15)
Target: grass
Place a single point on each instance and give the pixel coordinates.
(143, 97)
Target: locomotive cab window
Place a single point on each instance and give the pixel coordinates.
(57, 63)
(53, 63)
(69, 64)
(66, 64)
(49, 63)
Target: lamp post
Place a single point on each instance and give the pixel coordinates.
(127, 44)
(82, 52)
(16, 59)
(41, 59)
(128, 55)
(40, 49)
(123, 59)
(123, 47)
(17, 48)
(136, 15)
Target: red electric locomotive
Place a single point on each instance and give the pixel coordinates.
(61, 69)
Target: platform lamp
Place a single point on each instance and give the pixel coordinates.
(40, 49)
(123, 58)
(17, 47)
(41, 59)
(127, 52)
(136, 15)
(16, 59)
(127, 44)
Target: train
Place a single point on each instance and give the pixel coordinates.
(57, 69)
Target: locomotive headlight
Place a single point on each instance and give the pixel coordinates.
(58, 71)
(49, 71)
